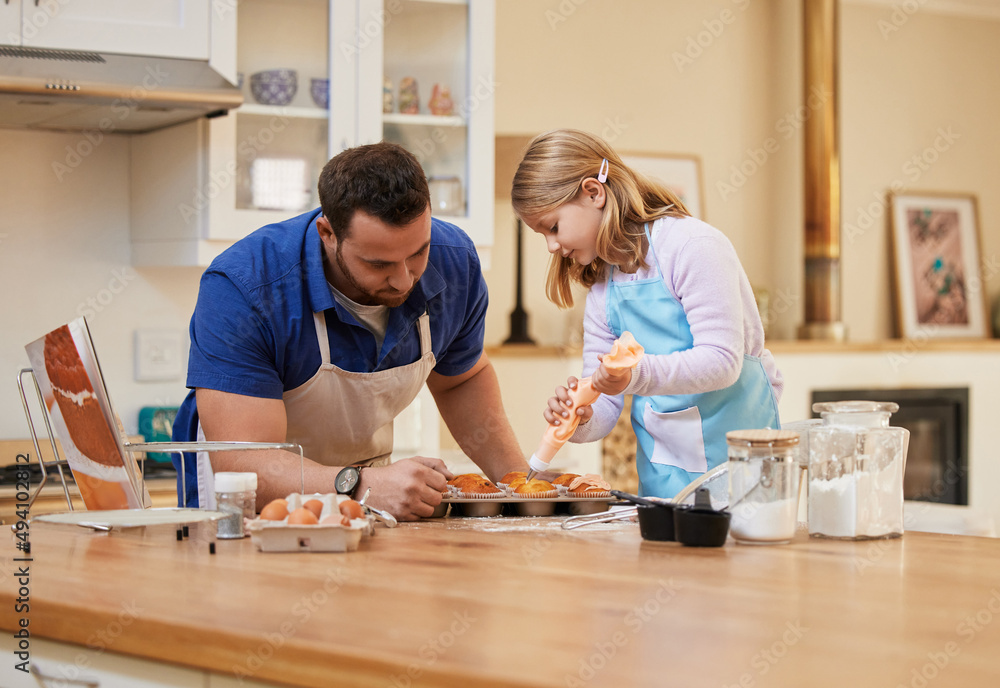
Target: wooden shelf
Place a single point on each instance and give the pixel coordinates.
(787, 346)
(908, 346)
(532, 351)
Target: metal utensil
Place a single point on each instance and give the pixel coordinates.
(388, 519)
(636, 499)
(574, 522)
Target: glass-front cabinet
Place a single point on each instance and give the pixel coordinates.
(319, 77)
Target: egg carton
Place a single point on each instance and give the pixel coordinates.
(279, 536)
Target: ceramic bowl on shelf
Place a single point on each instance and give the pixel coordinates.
(274, 86)
(319, 89)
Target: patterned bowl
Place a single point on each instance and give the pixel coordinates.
(274, 86)
(319, 89)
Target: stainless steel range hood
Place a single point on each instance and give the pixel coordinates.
(74, 90)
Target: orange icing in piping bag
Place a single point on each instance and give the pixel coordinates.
(625, 353)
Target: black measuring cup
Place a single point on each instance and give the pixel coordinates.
(701, 525)
(656, 517)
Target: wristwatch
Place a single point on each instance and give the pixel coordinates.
(347, 481)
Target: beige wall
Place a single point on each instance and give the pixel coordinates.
(601, 65)
(64, 252)
(611, 68)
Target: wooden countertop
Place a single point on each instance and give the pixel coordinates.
(519, 602)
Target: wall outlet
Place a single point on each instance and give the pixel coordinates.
(157, 355)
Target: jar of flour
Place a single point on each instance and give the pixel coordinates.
(856, 463)
(763, 485)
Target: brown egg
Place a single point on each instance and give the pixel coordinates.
(302, 517)
(335, 519)
(275, 511)
(351, 509)
(315, 506)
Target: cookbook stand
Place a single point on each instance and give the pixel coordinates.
(132, 448)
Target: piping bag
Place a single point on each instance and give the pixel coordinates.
(625, 354)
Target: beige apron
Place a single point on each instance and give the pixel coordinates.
(342, 418)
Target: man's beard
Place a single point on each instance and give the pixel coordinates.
(370, 298)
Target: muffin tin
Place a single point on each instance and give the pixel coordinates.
(507, 505)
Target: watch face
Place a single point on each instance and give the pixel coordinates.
(347, 480)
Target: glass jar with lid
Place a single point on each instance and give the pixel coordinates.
(763, 485)
(856, 463)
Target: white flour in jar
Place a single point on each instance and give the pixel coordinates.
(833, 507)
(765, 521)
(859, 504)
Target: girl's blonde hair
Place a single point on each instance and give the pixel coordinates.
(551, 174)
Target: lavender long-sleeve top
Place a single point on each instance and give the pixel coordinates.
(701, 270)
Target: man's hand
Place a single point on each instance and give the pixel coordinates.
(607, 381)
(408, 489)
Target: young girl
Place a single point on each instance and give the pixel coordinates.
(671, 280)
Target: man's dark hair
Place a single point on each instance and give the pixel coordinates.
(382, 179)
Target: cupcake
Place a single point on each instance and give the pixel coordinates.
(536, 488)
(589, 485)
(484, 491)
(513, 475)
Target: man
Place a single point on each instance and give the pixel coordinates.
(319, 330)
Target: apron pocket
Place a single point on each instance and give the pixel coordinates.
(678, 439)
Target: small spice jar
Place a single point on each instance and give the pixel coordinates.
(763, 485)
(235, 496)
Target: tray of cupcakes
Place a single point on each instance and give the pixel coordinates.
(471, 494)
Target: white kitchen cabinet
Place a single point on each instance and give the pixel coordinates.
(61, 664)
(198, 187)
(162, 28)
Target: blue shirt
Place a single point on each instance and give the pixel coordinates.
(253, 333)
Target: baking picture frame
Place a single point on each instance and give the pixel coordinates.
(936, 260)
(680, 172)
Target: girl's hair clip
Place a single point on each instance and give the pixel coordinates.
(602, 175)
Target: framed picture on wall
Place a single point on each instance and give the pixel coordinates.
(681, 173)
(936, 264)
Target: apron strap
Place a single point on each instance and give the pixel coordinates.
(322, 336)
(424, 323)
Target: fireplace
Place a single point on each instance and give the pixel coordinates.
(937, 463)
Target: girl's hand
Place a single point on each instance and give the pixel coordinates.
(560, 406)
(610, 382)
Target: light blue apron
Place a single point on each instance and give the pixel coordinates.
(681, 436)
